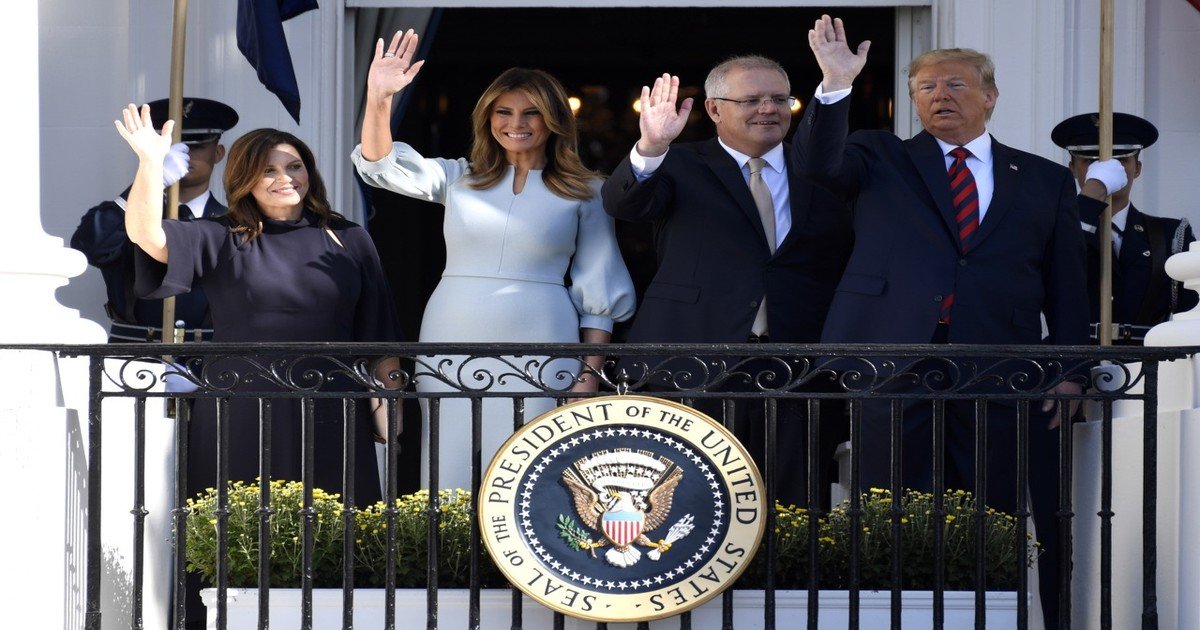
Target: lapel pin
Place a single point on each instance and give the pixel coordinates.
(1013, 167)
(1138, 227)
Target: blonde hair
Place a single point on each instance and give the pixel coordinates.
(981, 62)
(565, 173)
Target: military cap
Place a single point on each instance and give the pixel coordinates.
(1081, 135)
(204, 120)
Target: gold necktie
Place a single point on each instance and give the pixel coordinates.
(762, 199)
(766, 212)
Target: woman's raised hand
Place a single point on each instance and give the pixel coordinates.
(138, 130)
(392, 70)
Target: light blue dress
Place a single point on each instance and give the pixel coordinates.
(506, 257)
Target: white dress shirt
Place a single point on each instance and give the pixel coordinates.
(196, 206)
(980, 161)
(774, 175)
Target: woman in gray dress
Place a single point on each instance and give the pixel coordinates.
(522, 213)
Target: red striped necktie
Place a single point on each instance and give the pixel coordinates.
(965, 198)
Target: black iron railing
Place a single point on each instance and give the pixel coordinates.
(717, 378)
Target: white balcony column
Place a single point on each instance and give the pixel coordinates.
(42, 464)
(1184, 382)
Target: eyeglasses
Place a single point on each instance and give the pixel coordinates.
(755, 103)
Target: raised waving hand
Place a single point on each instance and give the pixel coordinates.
(660, 121)
(138, 130)
(838, 63)
(392, 69)
(143, 209)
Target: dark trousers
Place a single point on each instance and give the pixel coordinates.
(959, 455)
(789, 449)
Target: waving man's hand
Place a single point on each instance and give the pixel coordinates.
(393, 70)
(660, 122)
(838, 63)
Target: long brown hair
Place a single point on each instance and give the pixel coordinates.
(564, 173)
(244, 168)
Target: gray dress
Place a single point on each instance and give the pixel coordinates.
(506, 257)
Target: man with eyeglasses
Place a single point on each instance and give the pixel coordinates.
(958, 239)
(101, 233)
(747, 250)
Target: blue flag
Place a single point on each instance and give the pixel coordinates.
(260, 38)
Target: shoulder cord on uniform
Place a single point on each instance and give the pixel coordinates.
(1177, 246)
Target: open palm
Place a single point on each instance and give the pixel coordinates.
(138, 130)
(393, 70)
(660, 122)
(838, 63)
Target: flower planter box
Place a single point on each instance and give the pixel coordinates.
(790, 610)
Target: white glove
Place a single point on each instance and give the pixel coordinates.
(1111, 173)
(175, 164)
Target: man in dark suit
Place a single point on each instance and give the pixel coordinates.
(958, 239)
(1142, 293)
(747, 250)
(101, 233)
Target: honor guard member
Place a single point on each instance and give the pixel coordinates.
(1142, 293)
(101, 233)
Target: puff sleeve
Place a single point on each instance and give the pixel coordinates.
(406, 172)
(601, 288)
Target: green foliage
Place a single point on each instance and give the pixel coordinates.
(916, 523)
(370, 538)
(570, 531)
(915, 520)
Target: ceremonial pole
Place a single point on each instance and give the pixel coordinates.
(1106, 116)
(175, 112)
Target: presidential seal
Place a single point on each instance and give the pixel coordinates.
(622, 508)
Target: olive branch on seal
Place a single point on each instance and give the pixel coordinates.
(577, 537)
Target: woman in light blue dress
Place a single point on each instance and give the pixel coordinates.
(522, 214)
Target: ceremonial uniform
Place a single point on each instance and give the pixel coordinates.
(1143, 295)
(102, 239)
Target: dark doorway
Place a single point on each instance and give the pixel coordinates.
(603, 57)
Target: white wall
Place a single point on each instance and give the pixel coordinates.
(99, 55)
(1172, 94)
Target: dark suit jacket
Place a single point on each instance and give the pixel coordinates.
(102, 239)
(1141, 289)
(1027, 256)
(714, 264)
